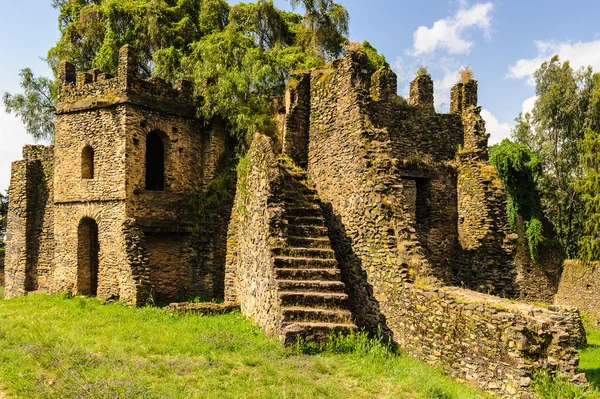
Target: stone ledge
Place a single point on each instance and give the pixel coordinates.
(203, 308)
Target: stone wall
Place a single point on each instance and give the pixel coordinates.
(580, 286)
(492, 343)
(256, 227)
(538, 281)
(296, 125)
(356, 176)
(484, 231)
(30, 222)
(2, 252)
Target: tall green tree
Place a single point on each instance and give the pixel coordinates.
(561, 115)
(239, 57)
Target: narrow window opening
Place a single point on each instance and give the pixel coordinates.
(87, 162)
(155, 162)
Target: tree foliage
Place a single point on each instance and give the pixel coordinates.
(563, 111)
(35, 106)
(239, 56)
(518, 168)
(589, 188)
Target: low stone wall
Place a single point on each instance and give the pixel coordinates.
(493, 343)
(255, 228)
(203, 308)
(580, 286)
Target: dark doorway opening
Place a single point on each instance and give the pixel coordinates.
(155, 162)
(87, 257)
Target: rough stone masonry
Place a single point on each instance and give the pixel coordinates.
(364, 211)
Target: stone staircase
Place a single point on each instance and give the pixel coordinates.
(308, 277)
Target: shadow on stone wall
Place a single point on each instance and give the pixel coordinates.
(365, 308)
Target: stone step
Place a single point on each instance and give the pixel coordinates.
(300, 314)
(306, 220)
(312, 210)
(308, 242)
(311, 285)
(308, 274)
(318, 253)
(312, 299)
(307, 198)
(307, 231)
(304, 263)
(313, 331)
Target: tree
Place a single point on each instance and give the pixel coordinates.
(589, 189)
(562, 112)
(239, 57)
(35, 106)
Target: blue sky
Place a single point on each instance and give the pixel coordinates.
(503, 41)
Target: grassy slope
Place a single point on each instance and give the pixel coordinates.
(52, 347)
(590, 358)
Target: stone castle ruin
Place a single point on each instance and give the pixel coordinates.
(363, 212)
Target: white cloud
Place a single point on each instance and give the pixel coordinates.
(13, 137)
(580, 54)
(498, 131)
(528, 105)
(449, 33)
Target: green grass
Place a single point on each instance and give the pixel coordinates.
(54, 347)
(590, 358)
(58, 347)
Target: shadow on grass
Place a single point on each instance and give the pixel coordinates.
(593, 376)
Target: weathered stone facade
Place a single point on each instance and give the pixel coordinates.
(580, 286)
(106, 211)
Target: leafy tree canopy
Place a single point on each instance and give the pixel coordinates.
(238, 57)
(564, 109)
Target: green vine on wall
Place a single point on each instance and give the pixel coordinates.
(518, 168)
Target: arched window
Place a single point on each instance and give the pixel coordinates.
(87, 162)
(87, 257)
(155, 162)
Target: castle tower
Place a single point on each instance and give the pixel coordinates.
(130, 155)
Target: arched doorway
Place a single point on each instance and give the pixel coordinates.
(155, 162)
(87, 257)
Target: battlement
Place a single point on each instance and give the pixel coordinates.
(78, 91)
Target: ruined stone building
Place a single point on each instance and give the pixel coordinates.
(105, 211)
(364, 211)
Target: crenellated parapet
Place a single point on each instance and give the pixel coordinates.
(78, 91)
